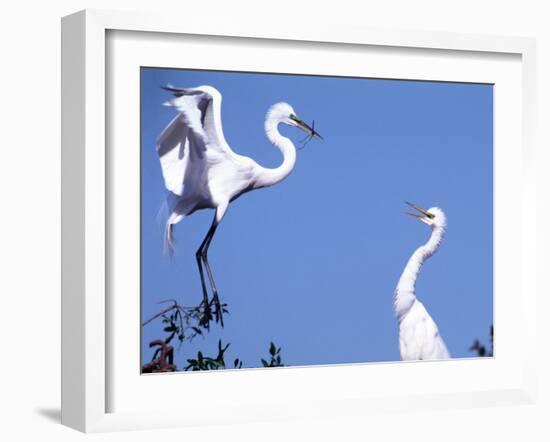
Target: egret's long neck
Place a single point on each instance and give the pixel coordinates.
(405, 291)
(266, 176)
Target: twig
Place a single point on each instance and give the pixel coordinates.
(162, 312)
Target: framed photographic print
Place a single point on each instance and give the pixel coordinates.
(321, 225)
(292, 223)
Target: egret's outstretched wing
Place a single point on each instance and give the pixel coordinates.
(201, 109)
(193, 139)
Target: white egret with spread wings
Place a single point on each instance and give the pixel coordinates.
(201, 171)
(419, 337)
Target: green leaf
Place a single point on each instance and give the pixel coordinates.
(264, 362)
(272, 349)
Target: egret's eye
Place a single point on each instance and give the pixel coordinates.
(294, 117)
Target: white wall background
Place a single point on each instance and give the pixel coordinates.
(30, 216)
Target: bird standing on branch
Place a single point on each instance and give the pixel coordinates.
(201, 171)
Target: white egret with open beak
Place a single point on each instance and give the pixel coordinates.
(419, 337)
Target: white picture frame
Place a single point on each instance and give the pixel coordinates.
(86, 314)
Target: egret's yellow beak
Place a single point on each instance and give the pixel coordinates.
(306, 128)
(425, 213)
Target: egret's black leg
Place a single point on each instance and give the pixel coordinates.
(198, 256)
(215, 297)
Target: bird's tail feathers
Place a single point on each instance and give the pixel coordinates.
(169, 243)
(169, 239)
(164, 214)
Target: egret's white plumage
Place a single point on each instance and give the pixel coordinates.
(201, 171)
(419, 337)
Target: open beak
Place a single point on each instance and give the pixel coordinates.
(423, 213)
(307, 129)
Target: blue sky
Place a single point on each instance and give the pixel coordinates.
(312, 262)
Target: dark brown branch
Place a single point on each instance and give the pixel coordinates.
(164, 363)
